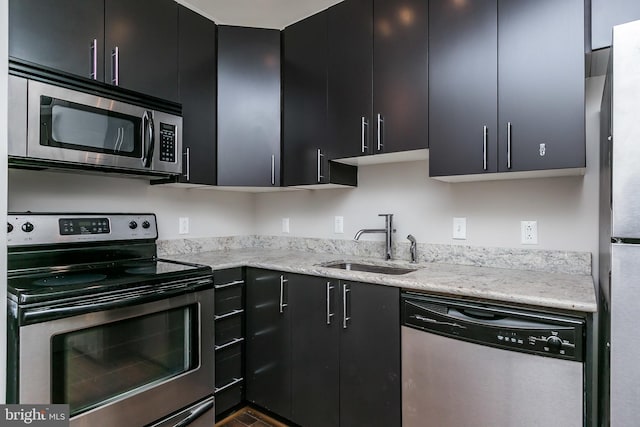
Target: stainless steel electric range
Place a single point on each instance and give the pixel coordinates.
(98, 322)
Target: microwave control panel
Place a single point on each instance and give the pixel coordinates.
(167, 143)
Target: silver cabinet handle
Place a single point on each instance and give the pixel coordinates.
(226, 386)
(380, 124)
(229, 314)
(485, 136)
(115, 66)
(273, 169)
(320, 156)
(228, 344)
(227, 285)
(509, 145)
(187, 155)
(94, 59)
(345, 318)
(282, 303)
(329, 313)
(364, 124)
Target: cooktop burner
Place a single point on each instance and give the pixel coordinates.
(69, 279)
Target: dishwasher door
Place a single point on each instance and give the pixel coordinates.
(454, 381)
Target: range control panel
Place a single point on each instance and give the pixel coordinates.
(29, 229)
(167, 143)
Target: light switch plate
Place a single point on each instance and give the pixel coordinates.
(183, 225)
(285, 225)
(460, 228)
(338, 225)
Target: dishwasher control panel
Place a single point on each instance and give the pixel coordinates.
(517, 330)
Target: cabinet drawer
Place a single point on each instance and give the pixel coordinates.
(228, 328)
(229, 396)
(228, 364)
(229, 297)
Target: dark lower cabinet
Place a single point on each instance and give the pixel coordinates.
(268, 360)
(249, 114)
(197, 63)
(322, 352)
(229, 338)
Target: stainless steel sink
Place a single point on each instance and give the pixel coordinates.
(369, 268)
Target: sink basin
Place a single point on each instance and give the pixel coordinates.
(369, 268)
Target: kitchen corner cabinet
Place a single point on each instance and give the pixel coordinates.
(229, 338)
(605, 14)
(197, 78)
(81, 36)
(268, 333)
(306, 149)
(521, 108)
(249, 114)
(335, 367)
(378, 76)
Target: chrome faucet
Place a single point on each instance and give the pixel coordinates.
(387, 230)
(412, 249)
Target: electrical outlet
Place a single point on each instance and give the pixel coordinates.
(460, 228)
(529, 232)
(285, 225)
(338, 225)
(183, 225)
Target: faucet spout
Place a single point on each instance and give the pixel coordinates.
(387, 231)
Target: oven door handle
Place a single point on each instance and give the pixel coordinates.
(31, 316)
(195, 414)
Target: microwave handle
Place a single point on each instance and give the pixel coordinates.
(148, 138)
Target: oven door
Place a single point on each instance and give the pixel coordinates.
(123, 367)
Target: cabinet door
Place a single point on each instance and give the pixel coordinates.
(315, 335)
(146, 35)
(59, 34)
(605, 14)
(463, 87)
(248, 106)
(541, 78)
(370, 356)
(305, 99)
(268, 357)
(400, 71)
(197, 63)
(350, 36)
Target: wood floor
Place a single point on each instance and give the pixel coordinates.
(249, 417)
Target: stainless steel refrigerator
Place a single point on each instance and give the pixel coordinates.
(620, 232)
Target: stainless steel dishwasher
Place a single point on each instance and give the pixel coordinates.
(467, 364)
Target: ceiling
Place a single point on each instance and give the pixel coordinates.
(258, 13)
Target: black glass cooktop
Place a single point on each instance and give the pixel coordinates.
(53, 283)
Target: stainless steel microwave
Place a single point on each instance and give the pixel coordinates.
(52, 126)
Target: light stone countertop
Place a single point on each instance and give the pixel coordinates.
(570, 292)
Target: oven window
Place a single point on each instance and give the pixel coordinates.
(94, 366)
(80, 127)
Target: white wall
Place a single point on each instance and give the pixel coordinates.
(211, 213)
(4, 7)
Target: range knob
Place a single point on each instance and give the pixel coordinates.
(27, 227)
(9, 227)
(554, 343)
(133, 225)
(145, 224)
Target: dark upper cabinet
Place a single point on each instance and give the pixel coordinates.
(378, 82)
(315, 364)
(370, 356)
(350, 32)
(59, 35)
(541, 91)
(248, 107)
(197, 83)
(522, 106)
(400, 75)
(268, 346)
(141, 42)
(81, 37)
(306, 148)
(463, 79)
(605, 14)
